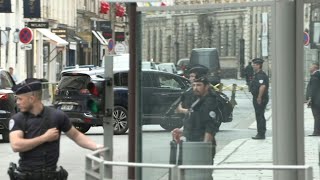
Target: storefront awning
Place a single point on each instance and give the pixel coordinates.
(53, 37)
(99, 36)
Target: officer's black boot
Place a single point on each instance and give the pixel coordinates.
(259, 136)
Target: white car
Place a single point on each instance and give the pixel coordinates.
(148, 65)
(168, 67)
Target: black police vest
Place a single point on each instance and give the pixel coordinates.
(41, 150)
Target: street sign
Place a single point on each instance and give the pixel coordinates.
(119, 36)
(60, 32)
(26, 46)
(120, 48)
(38, 25)
(101, 25)
(306, 38)
(110, 44)
(107, 34)
(26, 35)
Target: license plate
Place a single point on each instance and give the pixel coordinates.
(66, 107)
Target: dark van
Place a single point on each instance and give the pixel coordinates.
(208, 57)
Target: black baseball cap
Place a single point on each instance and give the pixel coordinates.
(257, 61)
(28, 85)
(198, 69)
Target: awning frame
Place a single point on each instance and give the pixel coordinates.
(53, 37)
(99, 36)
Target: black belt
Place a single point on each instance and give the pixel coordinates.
(42, 175)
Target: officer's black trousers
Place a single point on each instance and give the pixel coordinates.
(316, 116)
(259, 111)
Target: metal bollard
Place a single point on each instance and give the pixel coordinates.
(233, 95)
(220, 87)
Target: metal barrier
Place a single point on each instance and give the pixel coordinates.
(96, 167)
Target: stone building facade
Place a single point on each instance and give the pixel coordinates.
(170, 36)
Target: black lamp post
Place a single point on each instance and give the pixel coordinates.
(176, 43)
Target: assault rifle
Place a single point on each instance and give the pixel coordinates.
(174, 105)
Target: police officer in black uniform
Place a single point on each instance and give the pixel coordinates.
(35, 133)
(259, 90)
(201, 124)
(313, 97)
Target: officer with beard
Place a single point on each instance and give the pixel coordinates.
(201, 124)
(188, 97)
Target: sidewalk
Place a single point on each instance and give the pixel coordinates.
(248, 152)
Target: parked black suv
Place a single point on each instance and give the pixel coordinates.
(79, 95)
(7, 103)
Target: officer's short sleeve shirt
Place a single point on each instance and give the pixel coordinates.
(262, 79)
(28, 122)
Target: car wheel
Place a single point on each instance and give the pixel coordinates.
(5, 136)
(82, 127)
(170, 124)
(120, 120)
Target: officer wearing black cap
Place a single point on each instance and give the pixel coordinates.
(259, 89)
(201, 124)
(188, 97)
(35, 133)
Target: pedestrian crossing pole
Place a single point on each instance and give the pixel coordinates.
(287, 87)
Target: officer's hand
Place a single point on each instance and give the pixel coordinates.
(176, 134)
(51, 134)
(259, 100)
(100, 146)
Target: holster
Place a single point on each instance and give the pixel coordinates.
(63, 174)
(11, 169)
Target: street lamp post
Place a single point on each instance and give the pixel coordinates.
(6, 33)
(176, 43)
(8, 29)
(16, 41)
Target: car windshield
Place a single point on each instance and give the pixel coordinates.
(204, 59)
(5, 81)
(74, 82)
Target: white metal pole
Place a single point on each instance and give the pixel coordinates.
(287, 87)
(108, 111)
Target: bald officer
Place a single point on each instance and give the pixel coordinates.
(35, 133)
(259, 89)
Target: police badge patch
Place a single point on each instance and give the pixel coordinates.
(11, 124)
(261, 81)
(212, 114)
